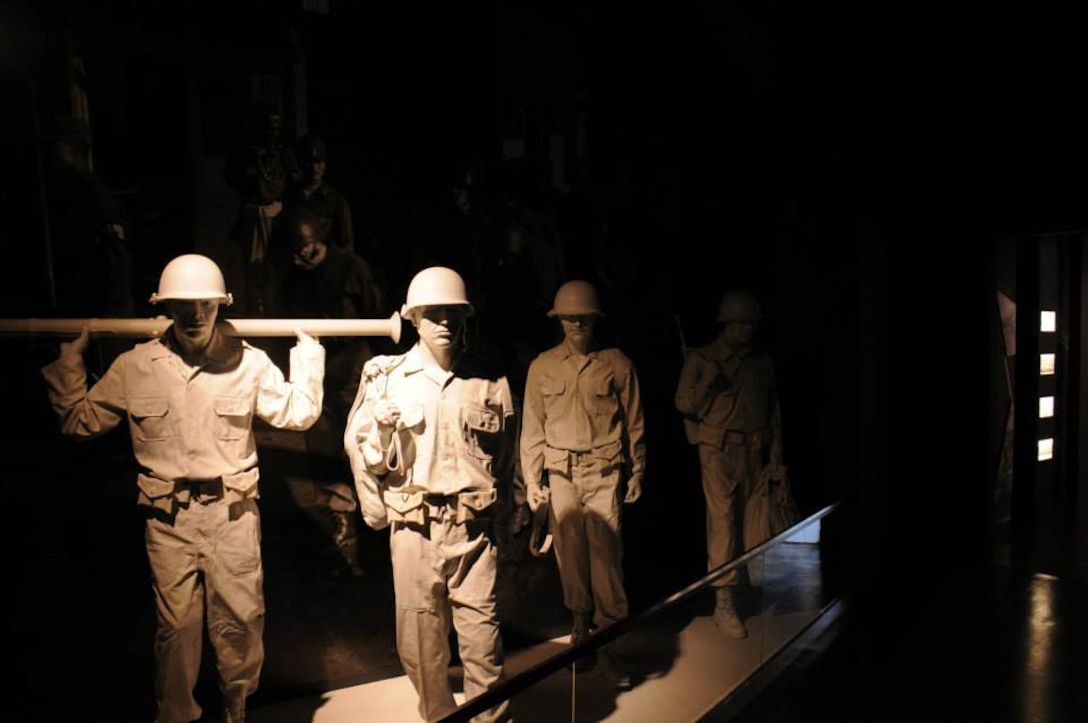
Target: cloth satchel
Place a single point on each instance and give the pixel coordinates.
(771, 508)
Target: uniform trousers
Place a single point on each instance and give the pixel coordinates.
(206, 558)
(585, 523)
(729, 475)
(444, 574)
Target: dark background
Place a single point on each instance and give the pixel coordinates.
(854, 167)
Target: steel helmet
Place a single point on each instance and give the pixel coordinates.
(435, 286)
(190, 277)
(576, 298)
(739, 305)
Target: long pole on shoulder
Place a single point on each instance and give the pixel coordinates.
(150, 328)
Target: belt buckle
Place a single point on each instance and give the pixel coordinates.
(204, 491)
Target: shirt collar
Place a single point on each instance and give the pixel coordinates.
(568, 351)
(222, 349)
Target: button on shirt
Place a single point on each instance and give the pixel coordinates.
(581, 405)
(189, 422)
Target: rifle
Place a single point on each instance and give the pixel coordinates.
(691, 426)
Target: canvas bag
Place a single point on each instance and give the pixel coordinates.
(770, 508)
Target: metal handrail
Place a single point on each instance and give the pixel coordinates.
(527, 678)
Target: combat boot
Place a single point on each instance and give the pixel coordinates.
(235, 713)
(725, 614)
(579, 634)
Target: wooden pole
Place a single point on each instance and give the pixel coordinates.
(150, 328)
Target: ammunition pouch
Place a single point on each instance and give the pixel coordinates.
(405, 505)
(414, 505)
(166, 495)
(156, 493)
(475, 506)
(601, 459)
(242, 486)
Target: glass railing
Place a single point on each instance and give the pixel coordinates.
(679, 665)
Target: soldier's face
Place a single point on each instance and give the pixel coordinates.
(440, 327)
(194, 321)
(309, 249)
(578, 329)
(315, 169)
(738, 334)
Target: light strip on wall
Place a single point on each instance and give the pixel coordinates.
(1046, 407)
(1046, 449)
(1046, 364)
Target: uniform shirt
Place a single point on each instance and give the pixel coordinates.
(189, 422)
(581, 407)
(726, 390)
(460, 443)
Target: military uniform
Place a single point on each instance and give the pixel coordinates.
(435, 485)
(192, 436)
(583, 435)
(730, 403)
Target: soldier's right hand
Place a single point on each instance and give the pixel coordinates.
(720, 384)
(536, 496)
(77, 346)
(386, 413)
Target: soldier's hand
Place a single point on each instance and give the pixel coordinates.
(536, 496)
(386, 413)
(77, 346)
(720, 384)
(634, 490)
(304, 338)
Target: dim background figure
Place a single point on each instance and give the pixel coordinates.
(583, 438)
(88, 235)
(729, 401)
(311, 189)
(330, 282)
(431, 440)
(260, 171)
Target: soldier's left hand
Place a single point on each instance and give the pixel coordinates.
(304, 338)
(76, 346)
(634, 490)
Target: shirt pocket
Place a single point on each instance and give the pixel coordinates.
(150, 418)
(232, 415)
(551, 392)
(601, 399)
(480, 430)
